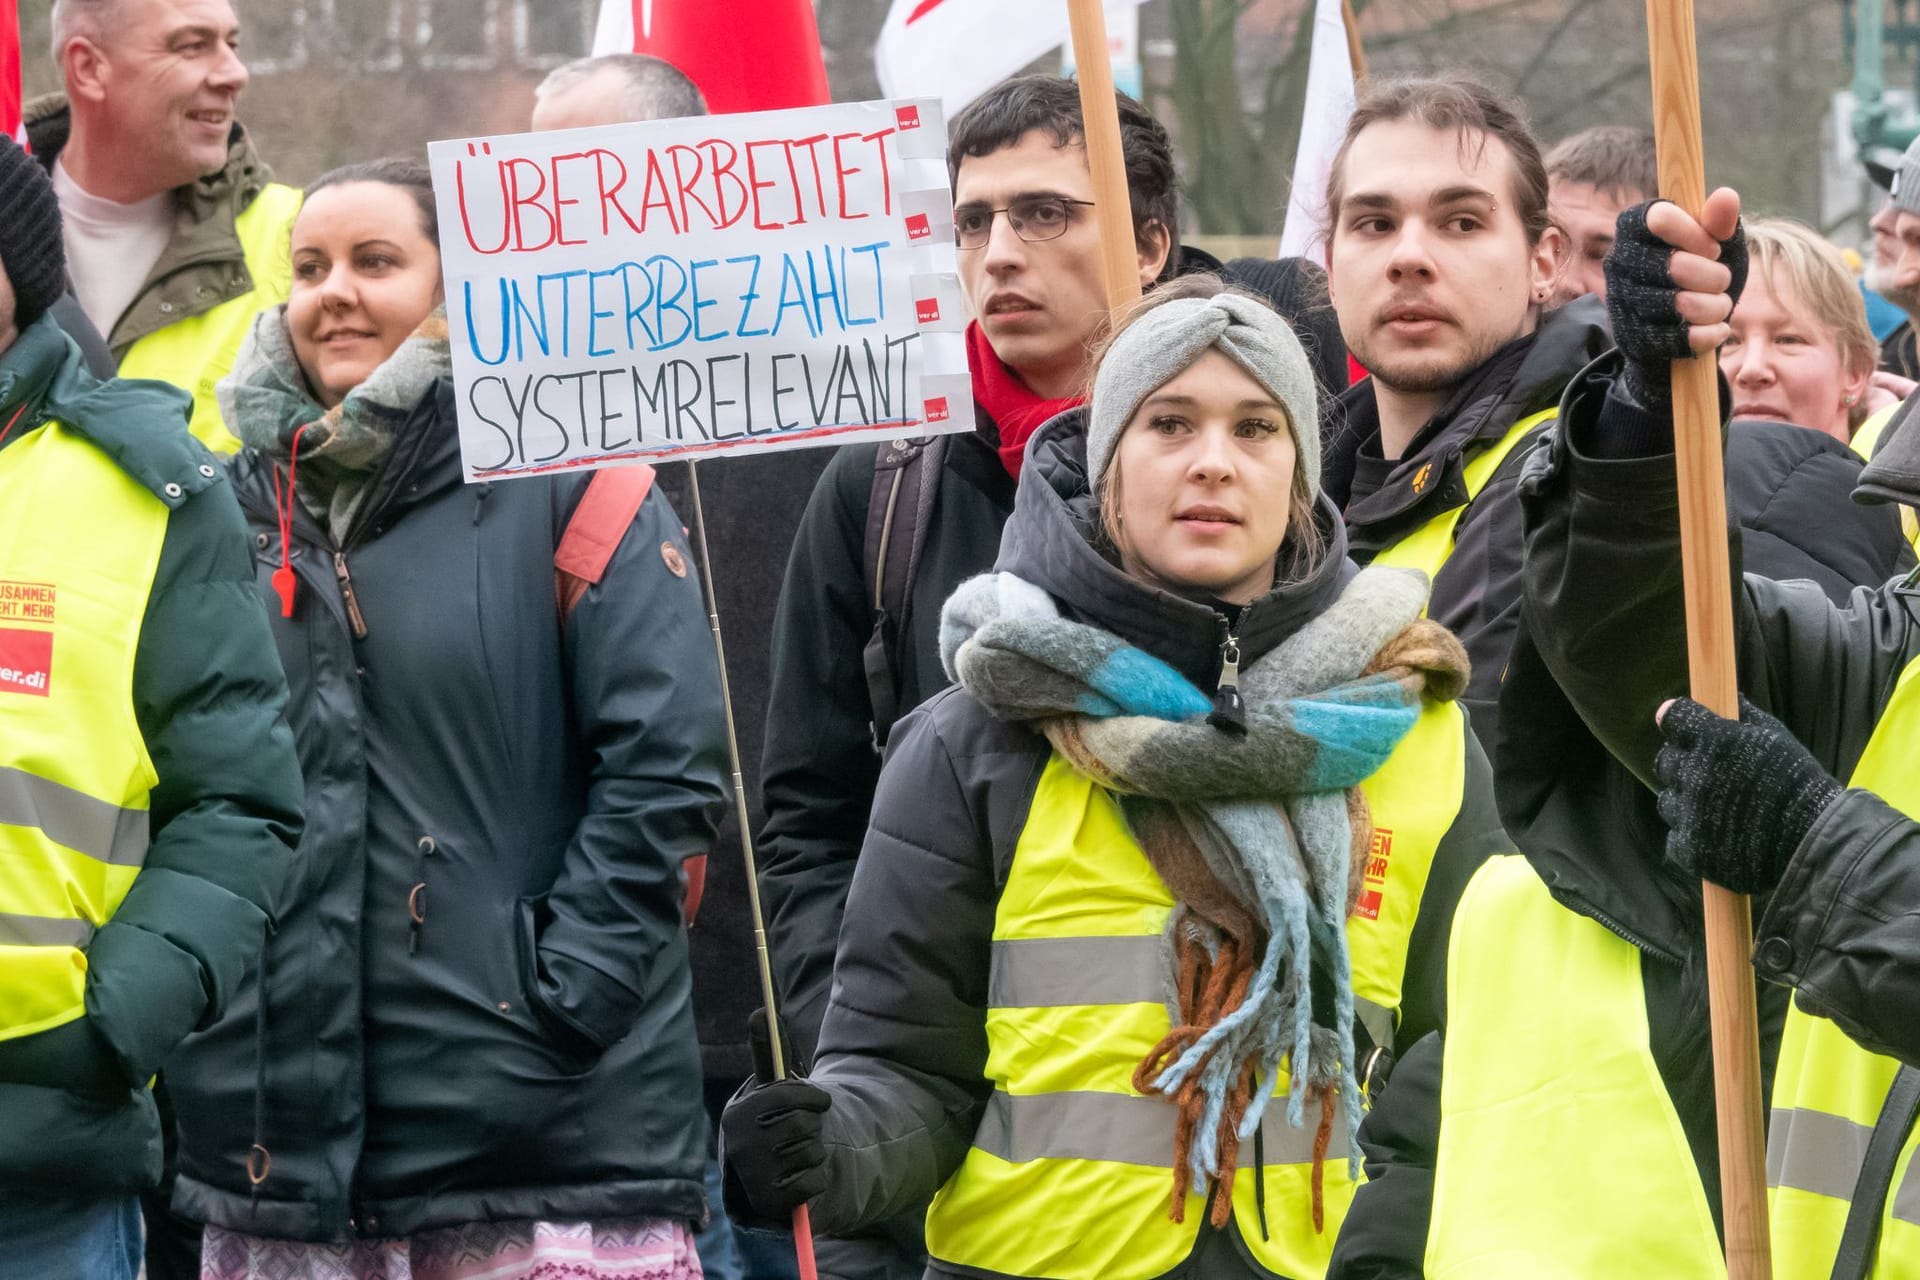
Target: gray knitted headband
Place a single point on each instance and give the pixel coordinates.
(1172, 336)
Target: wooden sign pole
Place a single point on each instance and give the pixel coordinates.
(1710, 662)
(1100, 117)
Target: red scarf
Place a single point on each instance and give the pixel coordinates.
(1015, 409)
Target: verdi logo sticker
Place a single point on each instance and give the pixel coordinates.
(1373, 875)
(26, 637)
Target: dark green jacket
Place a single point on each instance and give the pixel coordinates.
(210, 700)
(477, 997)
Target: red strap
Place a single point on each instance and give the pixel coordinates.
(694, 873)
(283, 499)
(8, 429)
(594, 532)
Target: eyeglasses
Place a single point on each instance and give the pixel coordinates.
(1033, 219)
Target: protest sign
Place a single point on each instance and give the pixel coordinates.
(708, 286)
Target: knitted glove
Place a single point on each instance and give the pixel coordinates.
(1647, 325)
(1738, 796)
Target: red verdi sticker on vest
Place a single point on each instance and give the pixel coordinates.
(26, 636)
(1373, 875)
(26, 661)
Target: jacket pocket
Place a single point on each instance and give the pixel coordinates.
(571, 1050)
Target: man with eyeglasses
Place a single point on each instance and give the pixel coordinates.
(855, 644)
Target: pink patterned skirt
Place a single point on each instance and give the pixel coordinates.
(656, 1250)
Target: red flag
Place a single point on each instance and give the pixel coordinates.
(10, 70)
(745, 55)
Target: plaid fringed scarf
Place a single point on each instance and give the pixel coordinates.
(1258, 837)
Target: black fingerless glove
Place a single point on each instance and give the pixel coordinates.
(1647, 325)
(1737, 796)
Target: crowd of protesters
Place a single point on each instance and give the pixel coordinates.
(1220, 817)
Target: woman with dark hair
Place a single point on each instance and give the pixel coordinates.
(468, 1048)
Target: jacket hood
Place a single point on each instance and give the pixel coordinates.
(1893, 475)
(1522, 378)
(140, 424)
(1049, 541)
(48, 121)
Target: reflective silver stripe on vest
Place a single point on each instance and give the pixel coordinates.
(1906, 1199)
(102, 831)
(1816, 1152)
(39, 931)
(1037, 973)
(1126, 1129)
(1821, 1153)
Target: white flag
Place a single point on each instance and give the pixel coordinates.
(955, 50)
(1323, 123)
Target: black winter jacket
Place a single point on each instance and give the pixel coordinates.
(1477, 594)
(477, 993)
(1601, 646)
(903, 1050)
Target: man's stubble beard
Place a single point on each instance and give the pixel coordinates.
(1424, 379)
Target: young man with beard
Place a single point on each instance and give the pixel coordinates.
(1443, 258)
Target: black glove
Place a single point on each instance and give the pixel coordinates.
(1739, 797)
(772, 1149)
(1647, 325)
(773, 1156)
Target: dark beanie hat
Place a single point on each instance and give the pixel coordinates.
(31, 249)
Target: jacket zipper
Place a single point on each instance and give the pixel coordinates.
(1626, 935)
(354, 616)
(1229, 709)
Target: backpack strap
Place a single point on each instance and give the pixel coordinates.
(594, 531)
(587, 544)
(899, 513)
(1861, 1235)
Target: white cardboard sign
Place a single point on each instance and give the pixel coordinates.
(703, 287)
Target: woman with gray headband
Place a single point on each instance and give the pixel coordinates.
(1150, 898)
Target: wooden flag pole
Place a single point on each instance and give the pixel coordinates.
(802, 1224)
(1356, 53)
(1093, 63)
(1710, 662)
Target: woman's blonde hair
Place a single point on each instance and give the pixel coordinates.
(1304, 541)
(1799, 261)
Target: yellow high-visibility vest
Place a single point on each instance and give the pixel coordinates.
(196, 352)
(1865, 441)
(1428, 547)
(1071, 1172)
(1561, 1156)
(1828, 1091)
(79, 543)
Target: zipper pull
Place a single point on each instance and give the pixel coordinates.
(354, 617)
(1229, 712)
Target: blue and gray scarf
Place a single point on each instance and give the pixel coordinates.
(1258, 836)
